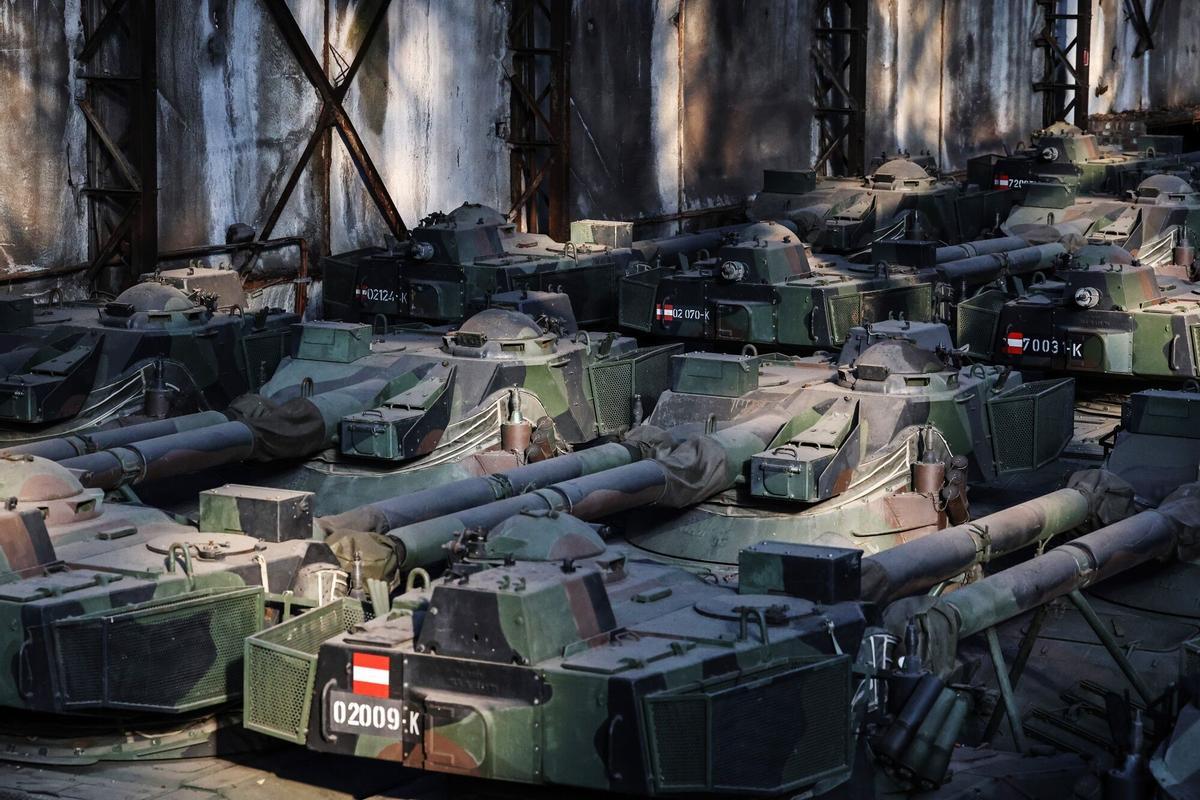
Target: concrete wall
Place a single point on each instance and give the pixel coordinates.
(236, 116)
(677, 105)
(951, 77)
(235, 111)
(681, 105)
(42, 216)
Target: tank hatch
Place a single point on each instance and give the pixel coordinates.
(520, 614)
(500, 333)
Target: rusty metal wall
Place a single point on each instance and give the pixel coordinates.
(681, 105)
(676, 105)
(425, 102)
(42, 216)
(235, 111)
(951, 78)
(430, 107)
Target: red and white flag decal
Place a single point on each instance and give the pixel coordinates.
(1003, 182)
(1014, 343)
(664, 312)
(372, 675)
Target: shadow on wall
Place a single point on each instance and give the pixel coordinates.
(43, 220)
(429, 102)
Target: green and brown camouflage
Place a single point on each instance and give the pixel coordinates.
(413, 396)
(455, 263)
(457, 719)
(1062, 153)
(1114, 319)
(1166, 532)
(903, 198)
(66, 446)
(877, 449)
(546, 658)
(459, 495)
(867, 452)
(678, 474)
(765, 288)
(118, 607)
(152, 352)
(1159, 216)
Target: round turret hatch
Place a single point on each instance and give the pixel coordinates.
(154, 296)
(207, 546)
(900, 169)
(501, 323)
(475, 214)
(776, 609)
(36, 480)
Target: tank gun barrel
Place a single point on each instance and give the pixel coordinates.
(1097, 556)
(69, 446)
(917, 565)
(668, 247)
(164, 456)
(980, 247)
(692, 471)
(984, 268)
(437, 501)
(295, 428)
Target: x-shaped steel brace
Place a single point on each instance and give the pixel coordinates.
(333, 115)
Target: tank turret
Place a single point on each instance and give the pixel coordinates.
(152, 352)
(1107, 314)
(456, 263)
(468, 671)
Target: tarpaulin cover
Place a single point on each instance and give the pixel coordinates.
(292, 429)
(695, 467)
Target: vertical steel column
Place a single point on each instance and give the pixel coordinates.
(1066, 69)
(839, 53)
(539, 135)
(118, 65)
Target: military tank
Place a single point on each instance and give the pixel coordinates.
(1156, 222)
(766, 288)
(902, 198)
(153, 352)
(867, 451)
(92, 578)
(1108, 315)
(356, 415)
(602, 672)
(115, 608)
(1064, 154)
(546, 655)
(454, 263)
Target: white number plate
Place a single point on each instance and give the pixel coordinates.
(372, 716)
(1019, 344)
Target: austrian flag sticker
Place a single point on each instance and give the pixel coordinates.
(664, 312)
(372, 675)
(1014, 343)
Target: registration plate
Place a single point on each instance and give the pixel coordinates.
(1017, 344)
(346, 712)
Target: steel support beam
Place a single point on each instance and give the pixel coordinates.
(1066, 62)
(539, 135)
(332, 117)
(839, 55)
(118, 65)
